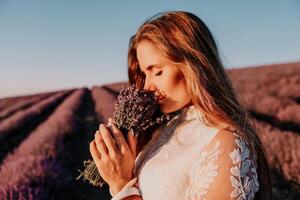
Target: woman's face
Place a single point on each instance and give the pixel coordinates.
(163, 78)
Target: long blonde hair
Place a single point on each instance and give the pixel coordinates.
(186, 41)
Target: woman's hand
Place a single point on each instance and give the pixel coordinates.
(114, 159)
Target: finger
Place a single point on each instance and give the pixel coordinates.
(110, 121)
(123, 146)
(100, 144)
(132, 142)
(94, 152)
(103, 140)
(108, 140)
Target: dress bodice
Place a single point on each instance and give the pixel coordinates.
(183, 159)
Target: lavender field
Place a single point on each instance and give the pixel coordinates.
(44, 138)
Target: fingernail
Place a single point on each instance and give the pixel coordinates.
(131, 132)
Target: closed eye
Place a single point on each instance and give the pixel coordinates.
(159, 73)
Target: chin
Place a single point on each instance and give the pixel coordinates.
(167, 109)
(163, 109)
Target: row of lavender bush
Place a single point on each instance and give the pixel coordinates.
(21, 105)
(104, 103)
(10, 101)
(282, 148)
(24, 117)
(36, 169)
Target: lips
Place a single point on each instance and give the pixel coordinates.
(160, 98)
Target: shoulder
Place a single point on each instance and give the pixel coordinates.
(231, 151)
(226, 162)
(228, 140)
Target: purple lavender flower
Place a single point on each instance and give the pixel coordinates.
(134, 109)
(137, 110)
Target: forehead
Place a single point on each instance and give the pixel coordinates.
(149, 56)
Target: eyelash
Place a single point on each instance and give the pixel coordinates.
(159, 73)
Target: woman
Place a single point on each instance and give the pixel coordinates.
(210, 149)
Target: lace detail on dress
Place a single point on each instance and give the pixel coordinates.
(204, 174)
(185, 159)
(224, 170)
(244, 178)
(179, 118)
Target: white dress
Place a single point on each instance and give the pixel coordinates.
(186, 159)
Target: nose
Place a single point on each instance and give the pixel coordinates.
(148, 86)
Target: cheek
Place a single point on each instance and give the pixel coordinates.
(173, 85)
(178, 79)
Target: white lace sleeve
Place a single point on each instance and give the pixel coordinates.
(226, 169)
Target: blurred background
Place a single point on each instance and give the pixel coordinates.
(63, 64)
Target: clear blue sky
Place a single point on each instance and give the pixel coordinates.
(54, 44)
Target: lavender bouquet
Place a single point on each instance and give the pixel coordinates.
(134, 109)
